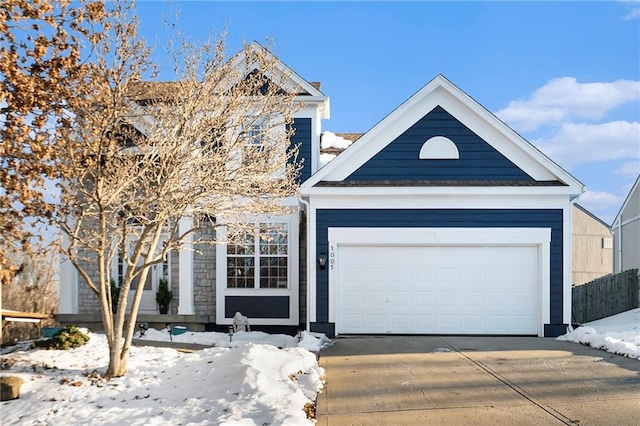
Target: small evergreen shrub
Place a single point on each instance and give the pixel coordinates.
(68, 338)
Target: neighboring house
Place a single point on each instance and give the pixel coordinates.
(439, 220)
(626, 232)
(592, 254)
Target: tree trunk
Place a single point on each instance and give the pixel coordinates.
(117, 361)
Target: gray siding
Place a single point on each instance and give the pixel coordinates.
(440, 218)
(400, 159)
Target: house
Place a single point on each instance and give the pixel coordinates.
(438, 220)
(626, 232)
(592, 253)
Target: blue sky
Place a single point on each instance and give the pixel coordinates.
(565, 75)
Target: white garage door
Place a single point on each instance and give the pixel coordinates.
(437, 290)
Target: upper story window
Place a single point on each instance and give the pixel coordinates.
(258, 257)
(253, 137)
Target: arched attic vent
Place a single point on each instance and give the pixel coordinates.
(439, 148)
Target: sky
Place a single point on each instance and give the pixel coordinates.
(564, 75)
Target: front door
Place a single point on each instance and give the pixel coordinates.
(156, 273)
(148, 301)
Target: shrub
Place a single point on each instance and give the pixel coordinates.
(68, 338)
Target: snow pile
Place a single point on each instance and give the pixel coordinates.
(243, 382)
(331, 140)
(314, 342)
(221, 339)
(619, 334)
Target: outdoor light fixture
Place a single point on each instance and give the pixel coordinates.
(322, 260)
(230, 333)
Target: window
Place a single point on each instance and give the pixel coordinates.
(253, 135)
(259, 257)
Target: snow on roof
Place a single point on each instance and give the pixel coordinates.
(331, 140)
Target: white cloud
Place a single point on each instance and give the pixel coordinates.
(600, 203)
(599, 200)
(584, 142)
(629, 168)
(564, 99)
(633, 14)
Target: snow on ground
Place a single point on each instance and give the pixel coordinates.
(257, 379)
(619, 334)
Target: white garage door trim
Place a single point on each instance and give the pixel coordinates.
(537, 237)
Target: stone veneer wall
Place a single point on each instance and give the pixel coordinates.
(174, 281)
(204, 275)
(88, 302)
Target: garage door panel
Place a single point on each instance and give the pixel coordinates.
(401, 323)
(377, 322)
(425, 298)
(377, 298)
(401, 299)
(435, 289)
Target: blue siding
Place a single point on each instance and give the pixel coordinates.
(302, 137)
(442, 218)
(257, 306)
(478, 160)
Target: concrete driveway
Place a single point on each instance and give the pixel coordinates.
(431, 380)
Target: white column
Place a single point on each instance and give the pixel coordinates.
(185, 270)
(67, 284)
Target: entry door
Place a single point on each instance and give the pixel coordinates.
(156, 273)
(148, 301)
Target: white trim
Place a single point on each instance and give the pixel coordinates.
(68, 287)
(311, 266)
(540, 237)
(439, 148)
(438, 190)
(567, 238)
(185, 269)
(450, 201)
(292, 222)
(441, 92)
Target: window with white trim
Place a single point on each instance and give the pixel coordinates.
(253, 134)
(258, 257)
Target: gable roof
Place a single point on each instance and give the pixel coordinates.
(624, 205)
(295, 82)
(441, 92)
(588, 213)
(145, 92)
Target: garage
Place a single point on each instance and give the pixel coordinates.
(437, 290)
(423, 281)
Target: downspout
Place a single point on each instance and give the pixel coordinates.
(620, 243)
(307, 209)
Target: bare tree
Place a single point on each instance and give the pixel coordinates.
(151, 162)
(32, 289)
(41, 72)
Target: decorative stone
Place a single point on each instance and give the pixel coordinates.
(10, 387)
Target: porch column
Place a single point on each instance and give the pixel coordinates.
(68, 283)
(185, 268)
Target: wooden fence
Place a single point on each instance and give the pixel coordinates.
(606, 296)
